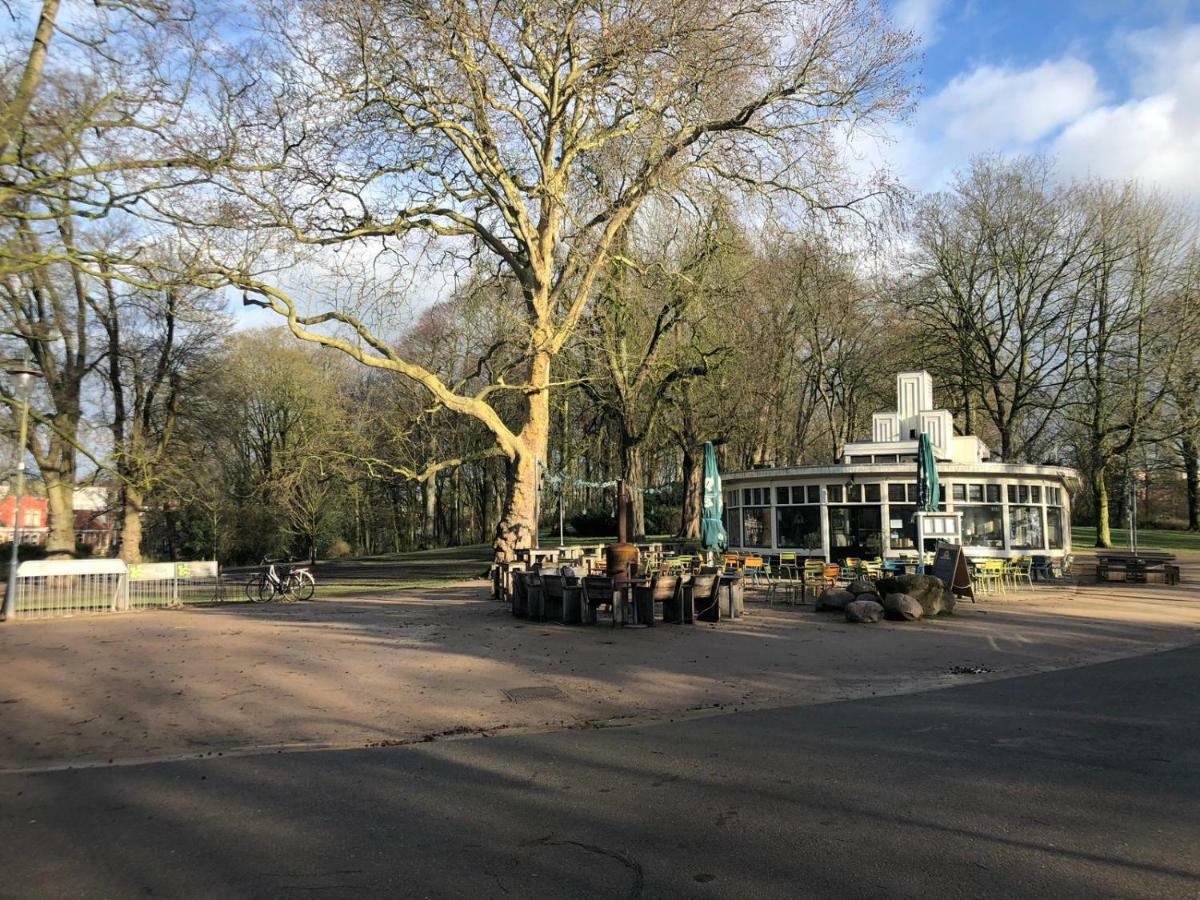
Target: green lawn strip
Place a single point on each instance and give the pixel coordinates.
(371, 588)
(1185, 544)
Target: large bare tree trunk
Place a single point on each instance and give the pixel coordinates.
(60, 493)
(429, 490)
(693, 484)
(632, 473)
(1100, 495)
(516, 529)
(130, 531)
(1191, 468)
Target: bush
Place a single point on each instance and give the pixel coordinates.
(662, 518)
(592, 523)
(24, 551)
(1164, 523)
(339, 549)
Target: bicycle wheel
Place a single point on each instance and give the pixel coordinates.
(285, 592)
(305, 585)
(253, 585)
(267, 590)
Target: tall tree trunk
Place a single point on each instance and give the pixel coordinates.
(130, 528)
(633, 474)
(516, 529)
(1191, 470)
(429, 490)
(1100, 496)
(693, 486)
(60, 494)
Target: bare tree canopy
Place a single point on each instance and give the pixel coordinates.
(528, 134)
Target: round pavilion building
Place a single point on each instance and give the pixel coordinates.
(865, 505)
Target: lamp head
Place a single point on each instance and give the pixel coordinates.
(23, 375)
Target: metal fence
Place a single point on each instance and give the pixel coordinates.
(153, 585)
(52, 588)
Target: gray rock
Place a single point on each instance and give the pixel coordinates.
(863, 611)
(834, 598)
(873, 597)
(925, 589)
(861, 586)
(902, 608)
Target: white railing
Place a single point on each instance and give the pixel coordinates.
(71, 587)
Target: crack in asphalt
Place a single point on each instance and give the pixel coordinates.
(639, 878)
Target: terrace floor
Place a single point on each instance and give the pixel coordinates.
(426, 664)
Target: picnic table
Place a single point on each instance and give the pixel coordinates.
(1137, 568)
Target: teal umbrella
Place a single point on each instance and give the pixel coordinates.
(928, 491)
(712, 530)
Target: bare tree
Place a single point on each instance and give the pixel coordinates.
(528, 133)
(994, 283)
(1139, 317)
(642, 338)
(159, 343)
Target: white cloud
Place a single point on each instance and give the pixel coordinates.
(1154, 135)
(998, 106)
(920, 17)
(993, 109)
(1150, 133)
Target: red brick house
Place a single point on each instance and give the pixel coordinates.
(35, 519)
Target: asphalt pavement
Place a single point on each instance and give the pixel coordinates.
(1077, 783)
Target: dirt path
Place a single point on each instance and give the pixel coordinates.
(430, 664)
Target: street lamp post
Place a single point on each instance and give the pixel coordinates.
(23, 375)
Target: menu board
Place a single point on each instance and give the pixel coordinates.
(950, 566)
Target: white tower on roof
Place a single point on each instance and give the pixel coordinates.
(894, 434)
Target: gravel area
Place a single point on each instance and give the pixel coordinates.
(436, 664)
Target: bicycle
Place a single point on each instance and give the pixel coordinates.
(297, 583)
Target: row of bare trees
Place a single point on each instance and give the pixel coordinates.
(1063, 317)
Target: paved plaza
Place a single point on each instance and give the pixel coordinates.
(446, 663)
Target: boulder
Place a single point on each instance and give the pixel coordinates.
(861, 586)
(902, 608)
(863, 611)
(873, 597)
(925, 589)
(834, 598)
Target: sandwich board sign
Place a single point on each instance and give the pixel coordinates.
(950, 566)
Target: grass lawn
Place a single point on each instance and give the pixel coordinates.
(390, 572)
(1184, 543)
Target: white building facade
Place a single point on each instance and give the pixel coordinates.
(865, 505)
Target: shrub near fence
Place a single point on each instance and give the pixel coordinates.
(71, 587)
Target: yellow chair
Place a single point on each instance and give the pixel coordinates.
(989, 575)
(755, 567)
(787, 566)
(832, 574)
(1019, 570)
(814, 576)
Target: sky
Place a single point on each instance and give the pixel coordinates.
(1107, 87)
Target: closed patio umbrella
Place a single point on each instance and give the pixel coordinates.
(712, 530)
(928, 491)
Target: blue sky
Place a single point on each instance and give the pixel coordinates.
(1109, 87)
